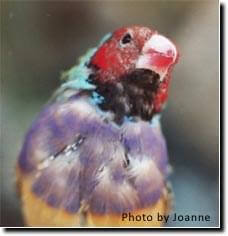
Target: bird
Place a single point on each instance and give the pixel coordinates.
(95, 156)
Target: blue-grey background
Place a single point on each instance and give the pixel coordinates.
(41, 39)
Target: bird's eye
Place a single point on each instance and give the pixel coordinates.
(126, 39)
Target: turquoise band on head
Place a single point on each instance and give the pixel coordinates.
(77, 76)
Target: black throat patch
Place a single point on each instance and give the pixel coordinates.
(132, 96)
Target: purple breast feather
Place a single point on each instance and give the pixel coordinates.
(73, 154)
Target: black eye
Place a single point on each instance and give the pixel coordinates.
(126, 39)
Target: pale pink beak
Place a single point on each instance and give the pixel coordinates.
(158, 54)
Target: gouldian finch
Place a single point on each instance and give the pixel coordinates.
(96, 155)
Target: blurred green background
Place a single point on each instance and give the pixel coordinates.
(41, 39)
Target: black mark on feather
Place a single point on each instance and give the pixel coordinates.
(71, 147)
(126, 161)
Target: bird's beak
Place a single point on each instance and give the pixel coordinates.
(158, 54)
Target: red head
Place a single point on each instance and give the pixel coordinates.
(134, 48)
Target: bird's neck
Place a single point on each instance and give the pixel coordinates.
(132, 98)
(135, 97)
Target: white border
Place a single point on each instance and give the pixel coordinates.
(224, 2)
